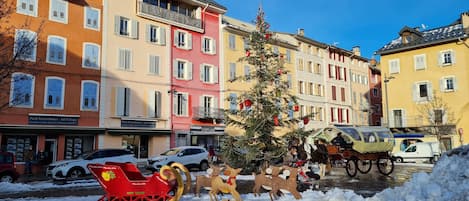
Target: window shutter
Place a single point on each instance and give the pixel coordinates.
(440, 59)
(151, 104)
(117, 20)
(202, 72)
(127, 102)
(176, 38)
(215, 74)
(453, 57)
(120, 101)
(189, 41)
(415, 92)
(158, 104)
(134, 33)
(455, 83)
(430, 91)
(202, 44)
(345, 74)
(162, 32)
(201, 103)
(175, 68)
(332, 114)
(148, 33)
(121, 59)
(189, 70)
(214, 46)
(215, 103)
(442, 84)
(184, 104)
(175, 103)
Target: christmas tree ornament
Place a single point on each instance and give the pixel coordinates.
(241, 106)
(296, 108)
(247, 103)
(276, 122)
(279, 71)
(248, 53)
(305, 120)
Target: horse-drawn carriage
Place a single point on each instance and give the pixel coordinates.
(364, 146)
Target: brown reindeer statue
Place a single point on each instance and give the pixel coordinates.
(205, 181)
(289, 184)
(265, 180)
(218, 185)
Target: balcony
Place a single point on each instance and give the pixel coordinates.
(157, 13)
(207, 114)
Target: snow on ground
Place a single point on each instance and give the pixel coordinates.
(449, 180)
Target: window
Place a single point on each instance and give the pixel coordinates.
(397, 118)
(247, 73)
(208, 73)
(58, 11)
(182, 70)
(288, 55)
(232, 71)
(27, 7)
(447, 57)
(310, 88)
(331, 71)
(419, 62)
(56, 50)
(92, 18)
(125, 27)
(25, 45)
(182, 39)
(208, 103)
(438, 116)
(89, 95)
(125, 59)
(422, 91)
(246, 43)
(180, 104)
(375, 92)
(394, 66)
(275, 50)
(156, 35)
(208, 45)
(317, 69)
(448, 84)
(232, 41)
(289, 81)
(334, 93)
(342, 94)
(310, 67)
(301, 66)
(91, 55)
(17, 144)
(154, 103)
(54, 95)
(22, 90)
(154, 65)
(123, 101)
(233, 102)
(301, 87)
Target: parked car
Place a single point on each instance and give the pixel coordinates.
(76, 168)
(420, 151)
(8, 171)
(189, 156)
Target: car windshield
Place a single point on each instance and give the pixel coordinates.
(171, 152)
(84, 155)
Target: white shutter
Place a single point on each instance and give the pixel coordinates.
(202, 44)
(442, 84)
(403, 118)
(215, 74)
(127, 102)
(158, 104)
(120, 98)
(215, 102)
(117, 21)
(202, 72)
(175, 103)
(453, 57)
(201, 103)
(121, 58)
(391, 118)
(184, 104)
(151, 104)
(134, 33)
(189, 70)
(415, 92)
(214, 46)
(148, 33)
(430, 91)
(455, 84)
(176, 38)
(189, 41)
(440, 59)
(175, 68)
(162, 32)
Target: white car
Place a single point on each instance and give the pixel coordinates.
(189, 156)
(77, 167)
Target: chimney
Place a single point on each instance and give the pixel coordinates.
(465, 21)
(356, 50)
(373, 62)
(301, 32)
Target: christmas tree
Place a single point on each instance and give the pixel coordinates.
(265, 109)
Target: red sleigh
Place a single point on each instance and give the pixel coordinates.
(125, 182)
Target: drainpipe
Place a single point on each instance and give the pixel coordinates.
(203, 16)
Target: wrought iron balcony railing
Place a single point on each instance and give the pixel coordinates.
(204, 113)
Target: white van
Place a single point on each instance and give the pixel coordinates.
(419, 152)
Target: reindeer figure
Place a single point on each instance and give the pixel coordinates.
(205, 181)
(265, 181)
(218, 185)
(280, 184)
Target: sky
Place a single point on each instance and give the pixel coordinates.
(369, 24)
(447, 181)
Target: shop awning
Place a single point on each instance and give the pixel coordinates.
(133, 131)
(32, 129)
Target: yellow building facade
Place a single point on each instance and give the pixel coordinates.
(425, 80)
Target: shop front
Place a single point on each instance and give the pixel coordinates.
(206, 136)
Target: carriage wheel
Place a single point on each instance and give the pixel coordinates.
(178, 189)
(181, 168)
(364, 166)
(351, 167)
(385, 165)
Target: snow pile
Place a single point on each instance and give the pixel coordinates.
(449, 180)
(14, 187)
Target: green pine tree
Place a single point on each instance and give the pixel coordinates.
(266, 106)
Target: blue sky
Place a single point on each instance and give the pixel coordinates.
(369, 24)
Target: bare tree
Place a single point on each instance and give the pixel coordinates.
(17, 49)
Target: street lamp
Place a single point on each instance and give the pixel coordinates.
(386, 80)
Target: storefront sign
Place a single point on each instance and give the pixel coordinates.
(52, 120)
(138, 123)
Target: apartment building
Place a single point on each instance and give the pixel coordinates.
(51, 100)
(375, 94)
(359, 88)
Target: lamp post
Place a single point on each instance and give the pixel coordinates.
(386, 80)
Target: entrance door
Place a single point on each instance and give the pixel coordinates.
(50, 151)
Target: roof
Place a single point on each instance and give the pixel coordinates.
(213, 3)
(430, 37)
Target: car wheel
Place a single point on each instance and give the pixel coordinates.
(399, 160)
(6, 178)
(75, 173)
(203, 165)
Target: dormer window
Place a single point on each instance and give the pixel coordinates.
(409, 34)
